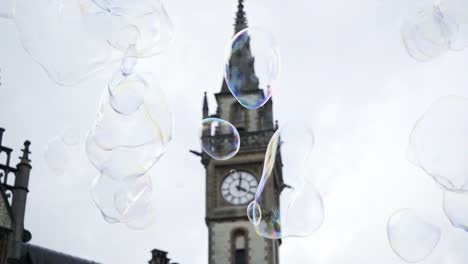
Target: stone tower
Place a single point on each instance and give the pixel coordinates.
(232, 239)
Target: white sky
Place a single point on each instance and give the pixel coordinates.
(344, 72)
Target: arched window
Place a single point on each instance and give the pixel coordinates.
(240, 247)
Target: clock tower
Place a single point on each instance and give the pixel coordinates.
(231, 184)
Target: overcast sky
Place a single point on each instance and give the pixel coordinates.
(344, 72)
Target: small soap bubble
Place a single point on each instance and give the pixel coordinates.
(220, 139)
(456, 209)
(129, 62)
(438, 143)
(252, 65)
(127, 92)
(53, 34)
(71, 136)
(411, 237)
(427, 35)
(59, 156)
(123, 201)
(300, 211)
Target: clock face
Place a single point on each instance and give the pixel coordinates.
(239, 187)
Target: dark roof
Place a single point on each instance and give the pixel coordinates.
(38, 255)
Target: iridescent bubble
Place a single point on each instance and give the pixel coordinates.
(300, 209)
(220, 139)
(58, 156)
(252, 66)
(411, 237)
(122, 201)
(438, 143)
(52, 32)
(456, 209)
(122, 23)
(428, 34)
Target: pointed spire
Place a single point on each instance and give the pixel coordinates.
(25, 158)
(241, 20)
(205, 107)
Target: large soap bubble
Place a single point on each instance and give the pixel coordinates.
(142, 23)
(124, 201)
(428, 34)
(456, 209)
(252, 65)
(127, 146)
(52, 32)
(220, 139)
(300, 210)
(438, 143)
(411, 237)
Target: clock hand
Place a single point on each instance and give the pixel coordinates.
(240, 179)
(240, 189)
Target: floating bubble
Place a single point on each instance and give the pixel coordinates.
(122, 201)
(52, 32)
(456, 209)
(58, 156)
(123, 23)
(438, 143)
(252, 65)
(127, 146)
(220, 139)
(71, 136)
(428, 34)
(301, 211)
(127, 92)
(412, 238)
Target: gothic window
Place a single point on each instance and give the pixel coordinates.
(240, 247)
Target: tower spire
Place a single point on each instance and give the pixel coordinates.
(241, 20)
(205, 107)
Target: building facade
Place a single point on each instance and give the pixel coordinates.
(232, 238)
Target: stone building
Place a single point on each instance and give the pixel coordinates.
(232, 239)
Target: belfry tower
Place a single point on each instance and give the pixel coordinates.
(232, 238)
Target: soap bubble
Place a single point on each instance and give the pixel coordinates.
(58, 156)
(456, 209)
(143, 23)
(71, 136)
(220, 139)
(122, 201)
(456, 10)
(412, 238)
(252, 65)
(127, 146)
(428, 34)
(301, 212)
(438, 143)
(52, 32)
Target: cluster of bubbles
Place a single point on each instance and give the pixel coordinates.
(301, 211)
(436, 29)
(133, 127)
(438, 146)
(252, 66)
(72, 39)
